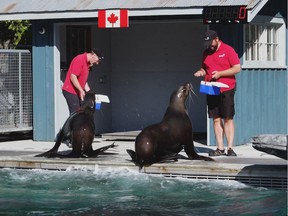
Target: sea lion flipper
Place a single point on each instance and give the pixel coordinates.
(48, 154)
(132, 154)
(200, 157)
(167, 158)
(134, 158)
(96, 152)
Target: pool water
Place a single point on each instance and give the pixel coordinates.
(126, 192)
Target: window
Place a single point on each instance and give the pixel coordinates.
(264, 43)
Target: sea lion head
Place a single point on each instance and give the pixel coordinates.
(89, 100)
(181, 93)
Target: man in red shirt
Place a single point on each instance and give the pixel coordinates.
(220, 63)
(75, 84)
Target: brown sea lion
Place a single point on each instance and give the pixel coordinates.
(79, 129)
(162, 142)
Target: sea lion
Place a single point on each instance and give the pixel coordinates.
(79, 128)
(162, 142)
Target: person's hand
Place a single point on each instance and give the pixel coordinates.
(216, 75)
(199, 73)
(82, 95)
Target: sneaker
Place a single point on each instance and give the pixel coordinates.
(230, 152)
(217, 152)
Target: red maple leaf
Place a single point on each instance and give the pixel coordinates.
(112, 19)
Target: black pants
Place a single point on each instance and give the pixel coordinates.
(72, 100)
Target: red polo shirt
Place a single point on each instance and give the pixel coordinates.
(222, 59)
(79, 67)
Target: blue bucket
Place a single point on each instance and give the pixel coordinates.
(97, 106)
(207, 88)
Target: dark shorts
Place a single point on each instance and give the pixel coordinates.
(72, 100)
(221, 105)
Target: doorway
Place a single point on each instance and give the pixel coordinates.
(78, 40)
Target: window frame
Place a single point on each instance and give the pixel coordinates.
(265, 22)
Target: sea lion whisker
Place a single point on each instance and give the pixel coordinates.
(192, 91)
(190, 98)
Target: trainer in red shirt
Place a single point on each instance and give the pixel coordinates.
(220, 63)
(75, 84)
(79, 68)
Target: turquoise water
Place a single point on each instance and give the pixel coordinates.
(125, 192)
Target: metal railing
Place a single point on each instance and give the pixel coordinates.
(15, 90)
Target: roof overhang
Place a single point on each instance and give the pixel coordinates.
(67, 9)
(255, 10)
(94, 14)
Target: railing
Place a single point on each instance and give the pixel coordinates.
(15, 90)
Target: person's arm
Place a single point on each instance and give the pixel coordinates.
(87, 87)
(229, 72)
(200, 73)
(77, 85)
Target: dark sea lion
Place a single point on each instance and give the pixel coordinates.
(79, 128)
(162, 142)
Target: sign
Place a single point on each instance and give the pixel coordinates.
(113, 19)
(225, 14)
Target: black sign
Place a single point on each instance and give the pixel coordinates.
(225, 14)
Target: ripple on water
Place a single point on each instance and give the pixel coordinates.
(122, 191)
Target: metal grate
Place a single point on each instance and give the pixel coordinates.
(267, 182)
(15, 90)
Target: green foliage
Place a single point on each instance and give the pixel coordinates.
(12, 32)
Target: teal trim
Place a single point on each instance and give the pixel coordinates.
(286, 48)
(43, 83)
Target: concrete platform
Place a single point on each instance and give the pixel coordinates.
(250, 166)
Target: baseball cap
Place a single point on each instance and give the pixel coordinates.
(210, 35)
(99, 53)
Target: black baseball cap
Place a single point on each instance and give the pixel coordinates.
(210, 35)
(99, 53)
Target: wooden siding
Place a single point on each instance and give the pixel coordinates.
(261, 105)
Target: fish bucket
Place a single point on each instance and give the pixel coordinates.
(208, 88)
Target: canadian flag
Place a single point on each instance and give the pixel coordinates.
(113, 19)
